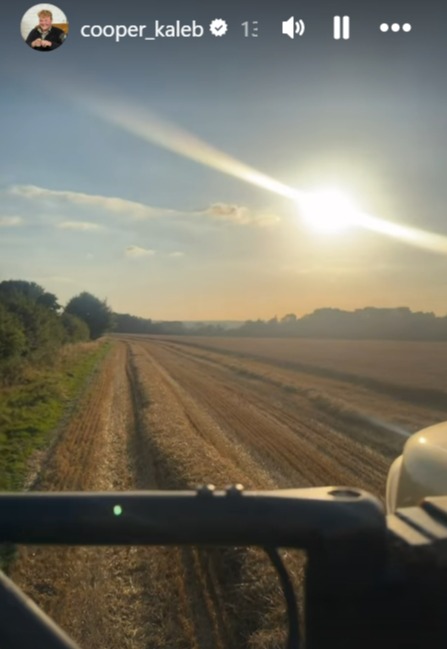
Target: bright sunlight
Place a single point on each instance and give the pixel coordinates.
(328, 210)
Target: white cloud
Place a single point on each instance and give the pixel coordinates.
(136, 252)
(239, 214)
(10, 221)
(82, 226)
(111, 204)
(176, 253)
(217, 212)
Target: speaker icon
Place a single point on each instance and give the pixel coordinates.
(291, 27)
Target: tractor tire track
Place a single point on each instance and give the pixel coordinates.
(159, 416)
(300, 446)
(118, 597)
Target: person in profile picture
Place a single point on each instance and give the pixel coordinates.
(45, 36)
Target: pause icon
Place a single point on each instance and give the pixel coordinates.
(342, 27)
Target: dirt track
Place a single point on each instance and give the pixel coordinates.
(165, 415)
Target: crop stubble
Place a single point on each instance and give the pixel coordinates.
(163, 414)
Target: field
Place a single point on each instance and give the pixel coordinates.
(177, 412)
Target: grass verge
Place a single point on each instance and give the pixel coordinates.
(31, 412)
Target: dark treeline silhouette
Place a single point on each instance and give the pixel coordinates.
(33, 325)
(94, 312)
(368, 323)
(124, 323)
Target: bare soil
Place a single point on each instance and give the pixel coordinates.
(164, 415)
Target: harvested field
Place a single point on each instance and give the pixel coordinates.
(416, 364)
(173, 413)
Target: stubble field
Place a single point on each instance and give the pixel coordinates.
(177, 412)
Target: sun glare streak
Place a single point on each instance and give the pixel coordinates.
(328, 210)
(331, 210)
(153, 129)
(413, 236)
(387, 426)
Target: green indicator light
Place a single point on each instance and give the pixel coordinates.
(117, 510)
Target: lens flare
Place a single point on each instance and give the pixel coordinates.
(328, 210)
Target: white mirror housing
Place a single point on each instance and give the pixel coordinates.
(421, 470)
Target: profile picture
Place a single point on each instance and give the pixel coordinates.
(44, 27)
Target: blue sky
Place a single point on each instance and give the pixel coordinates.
(88, 203)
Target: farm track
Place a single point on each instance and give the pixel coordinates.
(142, 597)
(162, 415)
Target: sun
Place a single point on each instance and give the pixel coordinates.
(328, 210)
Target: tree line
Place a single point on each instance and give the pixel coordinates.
(368, 323)
(33, 325)
(131, 324)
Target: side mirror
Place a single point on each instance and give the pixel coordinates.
(420, 471)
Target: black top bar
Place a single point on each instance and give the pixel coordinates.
(300, 518)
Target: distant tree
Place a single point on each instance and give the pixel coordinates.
(172, 328)
(130, 324)
(290, 318)
(206, 330)
(253, 328)
(49, 301)
(9, 289)
(12, 336)
(42, 327)
(76, 330)
(93, 311)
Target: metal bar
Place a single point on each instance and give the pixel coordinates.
(301, 518)
(24, 625)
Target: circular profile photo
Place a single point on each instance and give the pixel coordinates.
(44, 27)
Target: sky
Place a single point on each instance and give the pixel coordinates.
(161, 175)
